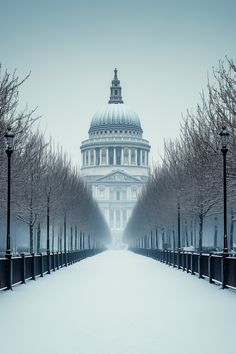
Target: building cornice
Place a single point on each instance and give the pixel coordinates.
(115, 143)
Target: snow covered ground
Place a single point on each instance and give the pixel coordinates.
(118, 303)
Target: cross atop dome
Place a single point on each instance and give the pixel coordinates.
(115, 90)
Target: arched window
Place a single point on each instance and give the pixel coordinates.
(126, 156)
(104, 156)
(133, 159)
(92, 157)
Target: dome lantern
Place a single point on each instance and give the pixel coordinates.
(115, 90)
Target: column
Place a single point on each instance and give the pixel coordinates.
(122, 156)
(83, 158)
(114, 162)
(100, 155)
(89, 157)
(107, 150)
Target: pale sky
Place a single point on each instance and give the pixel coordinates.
(163, 51)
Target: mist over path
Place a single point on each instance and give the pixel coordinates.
(117, 303)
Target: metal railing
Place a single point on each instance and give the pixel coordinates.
(16, 270)
(216, 268)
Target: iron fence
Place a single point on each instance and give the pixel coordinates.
(15, 270)
(217, 268)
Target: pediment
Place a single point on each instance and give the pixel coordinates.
(118, 176)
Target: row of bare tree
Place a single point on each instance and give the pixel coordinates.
(187, 186)
(48, 194)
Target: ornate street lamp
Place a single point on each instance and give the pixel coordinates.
(9, 137)
(224, 134)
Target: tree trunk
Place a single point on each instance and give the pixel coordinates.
(53, 236)
(80, 241)
(83, 241)
(65, 232)
(163, 239)
(231, 235)
(48, 223)
(157, 246)
(60, 239)
(38, 237)
(89, 245)
(71, 238)
(76, 238)
(168, 240)
(31, 232)
(200, 231)
(186, 234)
(191, 232)
(174, 243)
(31, 226)
(215, 232)
(195, 233)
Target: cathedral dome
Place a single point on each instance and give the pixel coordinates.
(115, 116)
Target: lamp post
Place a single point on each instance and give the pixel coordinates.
(9, 137)
(178, 229)
(178, 212)
(224, 134)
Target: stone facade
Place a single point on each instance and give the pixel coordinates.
(115, 160)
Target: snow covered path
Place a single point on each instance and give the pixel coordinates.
(118, 303)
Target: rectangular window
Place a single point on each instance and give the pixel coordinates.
(97, 156)
(112, 195)
(104, 156)
(118, 155)
(138, 157)
(126, 156)
(117, 195)
(86, 158)
(111, 155)
(102, 193)
(143, 157)
(92, 157)
(133, 156)
(134, 193)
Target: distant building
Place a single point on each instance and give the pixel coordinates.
(115, 160)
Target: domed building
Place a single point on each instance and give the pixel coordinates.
(115, 160)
